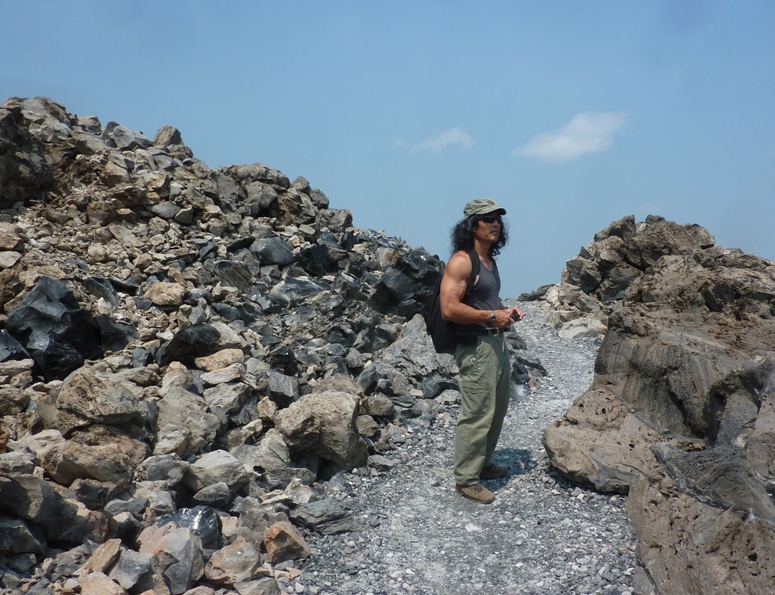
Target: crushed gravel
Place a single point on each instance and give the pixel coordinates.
(541, 535)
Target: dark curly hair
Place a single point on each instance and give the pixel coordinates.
(462, 236)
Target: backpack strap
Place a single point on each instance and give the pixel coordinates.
(475, 268)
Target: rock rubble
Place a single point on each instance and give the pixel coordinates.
(190, 361)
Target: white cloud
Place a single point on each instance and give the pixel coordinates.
(436, 144)
(585, 133)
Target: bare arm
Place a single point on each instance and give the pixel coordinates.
(453, 290)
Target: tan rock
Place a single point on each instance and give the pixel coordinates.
(366, 426)
(379, 406)
(188, 413)
(224, 375)
(99, 452)
(262, 586)
(97, 583)
(294, 494)
(221, 359)
(177, 375)
(9, 258)
(9, 238)
(12, 400)
(267, 409)
(200, 590)
(97, 253)
(42, 442)
(680, 414)
(89, 397)
(234, 563)
(16, 366)
(104, 556)
(284, 542)
(710, 550)
(229, 339)
(166, 294)
(247, 434)
(213, 467)
(33, 274)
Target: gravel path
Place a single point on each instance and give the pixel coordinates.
(541, 535)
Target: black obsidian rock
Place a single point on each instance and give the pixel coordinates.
(54, 329)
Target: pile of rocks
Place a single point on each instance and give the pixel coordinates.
(186, 355)
(681, 414)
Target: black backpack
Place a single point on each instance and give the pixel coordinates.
(442, 331)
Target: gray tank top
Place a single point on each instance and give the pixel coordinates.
(486, 293)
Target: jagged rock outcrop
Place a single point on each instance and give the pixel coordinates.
(680, 415)
(595, 280)
(162, 326)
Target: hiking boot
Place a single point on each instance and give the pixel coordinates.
(476, 492)
(491, 471)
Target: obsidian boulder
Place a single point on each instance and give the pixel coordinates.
(54, 329)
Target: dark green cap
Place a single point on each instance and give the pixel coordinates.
(482, 206)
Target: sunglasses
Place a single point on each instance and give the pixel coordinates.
(491, 219)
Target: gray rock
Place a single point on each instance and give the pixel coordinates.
(216, 467)
(12, 463)
(282, 388)
(217, 495)
(167, 467)
(224, 399)
(33, 499)
(326, 516)
(269, 454)
(126, 139)
(165, 210)
(16, 536)
(132, 569)
(187, 412)
(292, 291)
(272, 251)
(262, 586)
(55, 329)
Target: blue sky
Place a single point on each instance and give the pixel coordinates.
(569, 114)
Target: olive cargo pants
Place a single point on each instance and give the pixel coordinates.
(485, 376)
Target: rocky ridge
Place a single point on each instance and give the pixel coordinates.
(680, 413)
(188, 358)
